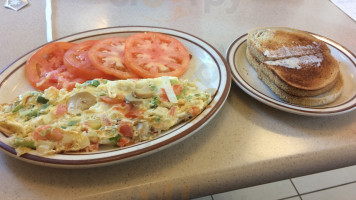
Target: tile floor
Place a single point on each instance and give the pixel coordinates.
(337, 184)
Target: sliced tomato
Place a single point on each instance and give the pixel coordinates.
(195, 111)
(61, 109)
(45, 132)
(56, 134)
(107, 55)
(126, 129)
(78, 63)
(134, 113)
(45, 68)
(153, 55)
(177, 89)
(124, 142)
(163, 96)
(42, 132)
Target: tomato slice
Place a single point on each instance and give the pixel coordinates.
(107, 55)
(45, 132)
(41, 132)
(56, 134)
(153, 55)
(124, 142)
(134, 113)
(177, 89)
(61, 109)
(78, 63)
(45, 68)
(126, 129)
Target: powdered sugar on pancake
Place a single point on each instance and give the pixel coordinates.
(298, 62)
(293, 51)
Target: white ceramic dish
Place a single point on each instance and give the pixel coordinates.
(246, 78)
(207, 66)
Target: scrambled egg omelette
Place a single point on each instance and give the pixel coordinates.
(99, 112)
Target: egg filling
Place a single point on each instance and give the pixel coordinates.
(99, 112)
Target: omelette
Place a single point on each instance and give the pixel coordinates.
(99, 112)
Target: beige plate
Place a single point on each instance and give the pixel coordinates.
(246, 78)
(207, 66)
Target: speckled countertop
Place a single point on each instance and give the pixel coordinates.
(247, 143)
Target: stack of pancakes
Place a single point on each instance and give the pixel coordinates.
(296, 66)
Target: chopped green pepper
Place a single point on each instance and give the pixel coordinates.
(44, 106)
(24, 143)
(41, 99)
(157, 118)
(72, 123)
(17, 108)
(28, 113)
(154, 102)
(174, 81)
(153, 87)
(184, 90)
(115, 139)
(32, 113)
(94, 83)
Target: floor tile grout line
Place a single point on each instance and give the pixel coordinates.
(296, 189)
(285, 198)
(300, 194)
(327, 188)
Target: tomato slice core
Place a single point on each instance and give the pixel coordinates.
(107, 55)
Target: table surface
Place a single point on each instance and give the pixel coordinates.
(247, 143)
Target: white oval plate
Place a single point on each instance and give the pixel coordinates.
(207, 66)
(246, 78)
